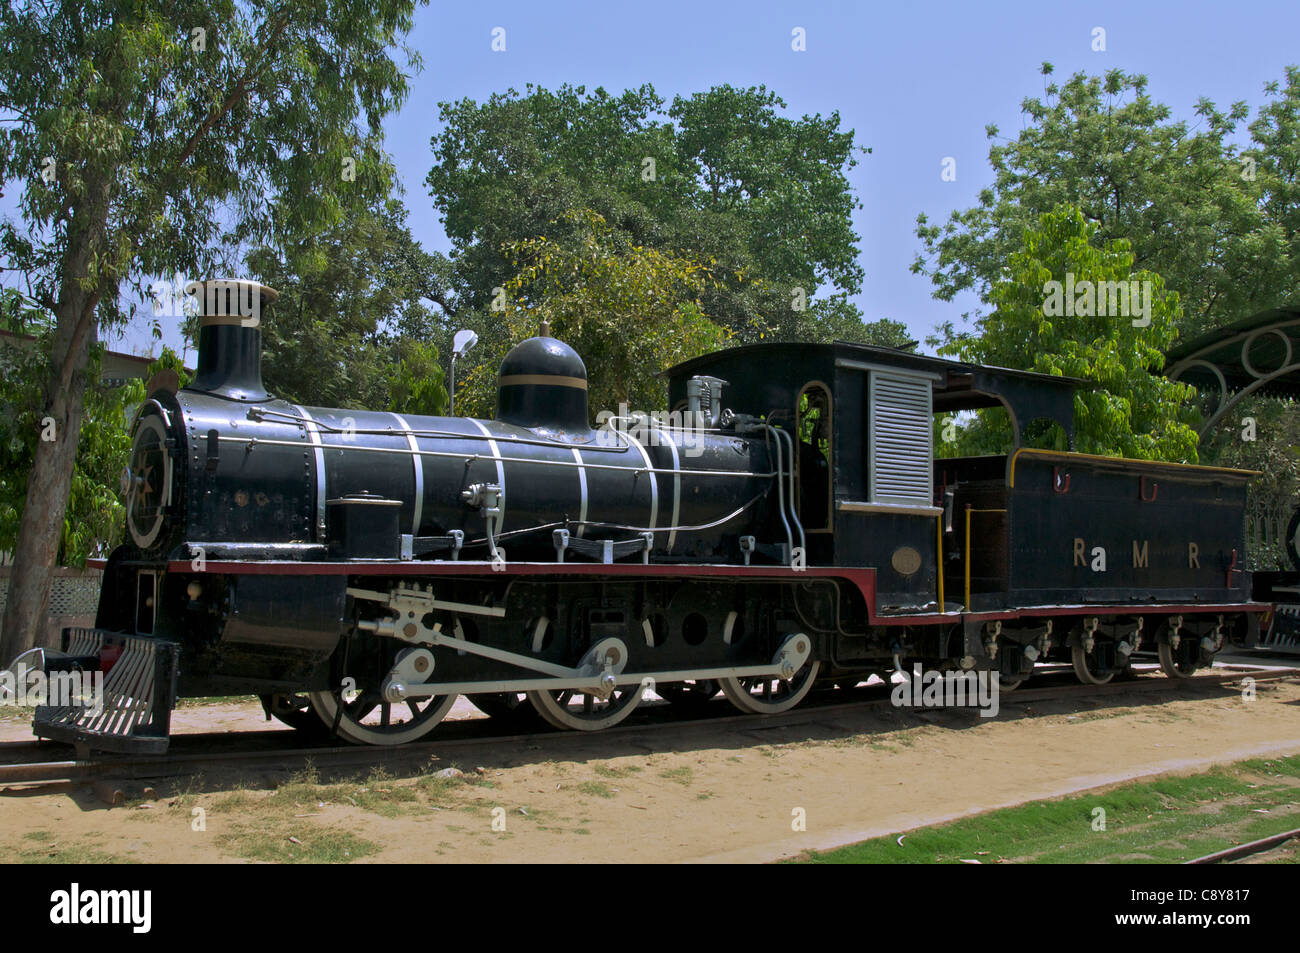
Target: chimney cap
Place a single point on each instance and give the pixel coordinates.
(216, 307)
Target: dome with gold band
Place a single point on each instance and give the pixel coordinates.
(542, 384)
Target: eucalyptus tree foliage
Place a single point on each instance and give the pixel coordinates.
(1069, 308)
(721, 177)
(356, 301)
(628, 310)
(1220, 222)
(131, 131)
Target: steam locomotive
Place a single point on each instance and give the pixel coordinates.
(786, 526)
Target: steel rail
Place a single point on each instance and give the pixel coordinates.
(1245, 850)
(282, 759)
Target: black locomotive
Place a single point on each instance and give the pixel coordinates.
(786, 526)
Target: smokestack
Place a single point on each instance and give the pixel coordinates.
(230, 337)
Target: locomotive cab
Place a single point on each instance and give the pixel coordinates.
(978, 533)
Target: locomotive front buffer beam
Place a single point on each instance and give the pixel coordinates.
(599, 673)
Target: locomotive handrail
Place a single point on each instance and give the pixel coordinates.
(794, 516)
(1121, 463)
(472, 457)
(564, 524)
(769, 433)
(780, 489)
(970, 510)
(258, 413)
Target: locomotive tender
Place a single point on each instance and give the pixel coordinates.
(358, 570)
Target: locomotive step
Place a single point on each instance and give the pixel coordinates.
(125, 699)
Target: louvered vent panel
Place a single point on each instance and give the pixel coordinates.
(900, 439)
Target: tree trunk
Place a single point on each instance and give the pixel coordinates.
(48, 485)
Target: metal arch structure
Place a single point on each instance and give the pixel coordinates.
(1256, 355)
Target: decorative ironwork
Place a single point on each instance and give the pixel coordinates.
(1255, 355)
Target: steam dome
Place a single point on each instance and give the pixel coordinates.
(542, 385)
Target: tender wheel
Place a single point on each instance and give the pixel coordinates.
(770, 695)
(579, 711)
(1089, 669)
(368, 719)
(505, 706)
(688, 695)
(1176, 662)
(1009, 683)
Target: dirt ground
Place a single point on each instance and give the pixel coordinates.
(736, 792)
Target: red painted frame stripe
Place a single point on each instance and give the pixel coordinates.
(1033, 612)
(466, 567)
(863, 579)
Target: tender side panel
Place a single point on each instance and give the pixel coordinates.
(1093, 529)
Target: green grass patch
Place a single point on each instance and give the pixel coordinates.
(378, 793)
(237, 801)
(1166, 820)
(595, 789)
(57, 850)
(297, 843)
(683, 775)
(438, 790)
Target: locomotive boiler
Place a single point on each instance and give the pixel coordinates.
(786, 527)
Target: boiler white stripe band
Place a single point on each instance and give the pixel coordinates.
(654, 481)
(677, 485)
(314, 433)
(582, 486)
(501, 471)
(419, 473)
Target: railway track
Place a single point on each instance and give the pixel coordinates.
(1239, 852)
(274, 751)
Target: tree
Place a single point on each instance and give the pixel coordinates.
(834, 318)
(626, 309)
(1195, 208)
(415, 385)
(1275, 159)
(1058, 310)
(92, 522)
(721, 178)
(134, 132)
(350, 307)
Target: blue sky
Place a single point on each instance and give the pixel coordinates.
(917, 82)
